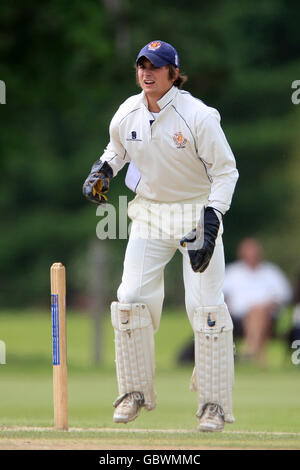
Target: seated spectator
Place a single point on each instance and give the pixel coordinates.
(255, 290)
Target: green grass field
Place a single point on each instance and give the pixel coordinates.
(266, 402)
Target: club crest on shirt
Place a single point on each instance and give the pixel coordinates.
(154, 45)
(179, 140)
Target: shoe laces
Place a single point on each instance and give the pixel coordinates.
(126, 401)
(131, 398)
(213, 409)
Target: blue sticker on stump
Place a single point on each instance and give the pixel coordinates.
(55, 329)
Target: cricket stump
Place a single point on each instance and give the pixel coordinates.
(59, 346)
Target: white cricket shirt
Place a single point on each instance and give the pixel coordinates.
(182, 153)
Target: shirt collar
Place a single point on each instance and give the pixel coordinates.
(165, 100)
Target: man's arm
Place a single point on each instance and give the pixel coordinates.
(214, 151)
(219, 160)
(115, 154)
(106, 167)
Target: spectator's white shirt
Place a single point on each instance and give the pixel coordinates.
(245, 288)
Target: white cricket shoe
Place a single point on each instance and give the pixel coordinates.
(211, 418)
(128, 407)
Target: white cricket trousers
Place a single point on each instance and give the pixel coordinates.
(146, 258)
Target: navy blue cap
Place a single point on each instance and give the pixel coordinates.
(160, 53)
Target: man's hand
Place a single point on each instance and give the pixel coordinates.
(200, 242)
(97, 183)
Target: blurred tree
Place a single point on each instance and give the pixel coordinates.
(121, 31)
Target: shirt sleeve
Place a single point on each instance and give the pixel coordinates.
(219, 161)
(115, 154)
(281, 286)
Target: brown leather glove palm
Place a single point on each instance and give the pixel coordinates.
(97, 183)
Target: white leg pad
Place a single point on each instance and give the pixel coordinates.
(134, 346)
(213, 376)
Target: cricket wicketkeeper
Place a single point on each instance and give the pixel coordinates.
(183, 173)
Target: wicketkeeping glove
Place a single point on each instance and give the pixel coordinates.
(97, 183)
(200, 242)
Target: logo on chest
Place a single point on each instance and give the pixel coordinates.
(179, 140)
(133, 137)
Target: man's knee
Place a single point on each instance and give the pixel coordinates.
(129, 295)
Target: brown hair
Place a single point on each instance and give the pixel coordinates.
(179, 82)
